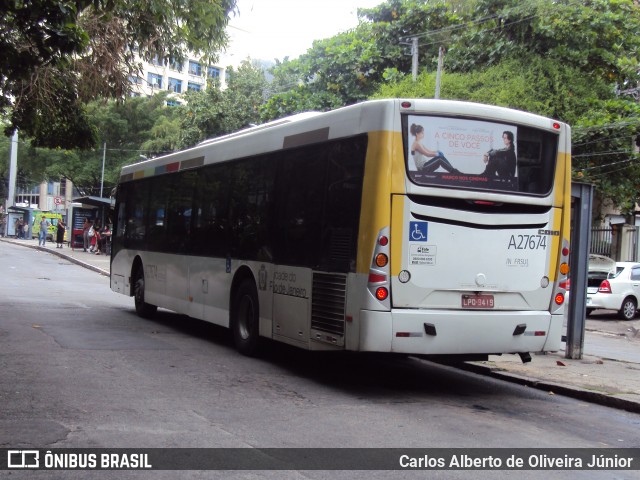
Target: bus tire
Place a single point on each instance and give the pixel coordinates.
(245, 318)
(143, 309)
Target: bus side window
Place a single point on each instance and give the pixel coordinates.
(250, 208)
(135, 231)
(209, 223)
(300, 204)
(342, 206)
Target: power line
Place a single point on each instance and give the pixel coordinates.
(608, 165)
(610, 172)
(600, 154)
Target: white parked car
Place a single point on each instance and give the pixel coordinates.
(620, 291)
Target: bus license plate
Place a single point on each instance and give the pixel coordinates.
(477, 301)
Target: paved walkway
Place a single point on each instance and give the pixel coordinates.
(608, 373)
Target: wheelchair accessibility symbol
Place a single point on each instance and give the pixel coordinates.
(418, 231)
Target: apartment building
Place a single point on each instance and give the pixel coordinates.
(176, 77)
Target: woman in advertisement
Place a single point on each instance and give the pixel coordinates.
(427, 161)
(502, 162)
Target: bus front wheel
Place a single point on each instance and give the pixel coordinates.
(143, 309)
(245, 318)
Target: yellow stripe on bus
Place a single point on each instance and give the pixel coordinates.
(384, 173)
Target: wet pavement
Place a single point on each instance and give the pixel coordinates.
(608, 372)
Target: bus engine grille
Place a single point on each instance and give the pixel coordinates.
(328, 307)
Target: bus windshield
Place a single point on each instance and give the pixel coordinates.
(477, 154)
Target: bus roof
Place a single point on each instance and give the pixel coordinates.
(313, 127)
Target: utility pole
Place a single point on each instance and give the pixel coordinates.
(13, 168)
(439, 73)
(104, 155)
(414, 59)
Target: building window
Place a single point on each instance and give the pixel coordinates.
(156, 60)
(135, 80)
(173, 103)
(154, 80)
(175, 85)
(213, 72)
(63, 187)
(175, 65)
(195, 68)
(196, 87)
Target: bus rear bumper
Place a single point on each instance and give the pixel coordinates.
(447, 332)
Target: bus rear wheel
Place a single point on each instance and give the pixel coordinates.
(245, 318)
(143, 309)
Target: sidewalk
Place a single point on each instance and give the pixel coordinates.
(97, 263)
(608, 373)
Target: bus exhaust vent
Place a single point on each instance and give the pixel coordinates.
(328, 307)
(340, 247)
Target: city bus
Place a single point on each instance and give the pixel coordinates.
(425, 227)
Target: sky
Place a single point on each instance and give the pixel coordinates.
(268, 29)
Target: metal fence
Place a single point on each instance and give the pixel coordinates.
(621, 246)
(602, 241)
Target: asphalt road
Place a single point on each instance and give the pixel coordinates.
(80, 369)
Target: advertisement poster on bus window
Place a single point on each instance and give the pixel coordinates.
(462, 153)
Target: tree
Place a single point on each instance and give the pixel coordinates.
(59, 54)
(591, 36)
(349, 67)
(130, 130)
(605, 152)
(214, 112)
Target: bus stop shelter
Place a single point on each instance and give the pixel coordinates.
(94, 209)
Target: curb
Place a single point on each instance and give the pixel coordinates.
(573, 392)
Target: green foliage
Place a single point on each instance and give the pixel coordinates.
(136, 128)
(604, 152)
(349, 67)
(202, 116)
(58, 54)
(534, 84)
(213, 112)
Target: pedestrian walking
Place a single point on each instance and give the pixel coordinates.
(44, 229)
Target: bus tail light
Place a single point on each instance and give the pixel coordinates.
(562, 283)
(379, 273)
(382, 293)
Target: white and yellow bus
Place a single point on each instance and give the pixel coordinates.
(424, 227)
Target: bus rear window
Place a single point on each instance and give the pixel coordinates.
(478, 154)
